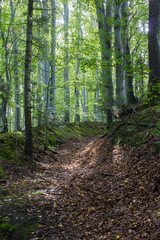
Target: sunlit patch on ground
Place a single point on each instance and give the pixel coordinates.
(117, 155)
(92, 192)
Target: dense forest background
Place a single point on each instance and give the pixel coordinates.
(65, 61)
(79, 119)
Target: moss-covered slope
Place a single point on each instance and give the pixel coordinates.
(134, 129)
(12, 144)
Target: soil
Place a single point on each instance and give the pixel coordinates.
(87, 189)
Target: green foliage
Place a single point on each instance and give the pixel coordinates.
(83, 46)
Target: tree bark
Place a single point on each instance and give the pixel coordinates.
(128, 68)
(16, 73)
(53, 57)
(84, 103)
(66, 61)
(118, 54)
(104, 18)
(45, 43)
(154, 51)
(5, 85)
(27, 90)
(77, 114)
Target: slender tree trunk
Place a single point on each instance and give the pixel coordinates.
(84, 103)
(141, 83)
(40, 105)
(97, 97)
(45, 42)
(118, 54)
(5, 85)
(16, 77)
(154, 51)
(53, 56)
(27, 99)
(4, 115)
(66, 61)
(127, 63)
(77, 115)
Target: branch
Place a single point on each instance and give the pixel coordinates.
(122, 123)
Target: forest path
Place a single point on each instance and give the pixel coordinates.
(90, 190)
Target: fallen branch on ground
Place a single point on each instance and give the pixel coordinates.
(122, 123)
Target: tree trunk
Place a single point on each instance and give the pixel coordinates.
(5, 85)
(27, 99)
(84, 103)
(97, 97)
(104, 16)
(77, 115)
(39, 100)
(118, 54)
(4, 115)
(53, 56)
(16, 73)
(128, 86)
(45, 42)
(154, 51)
(66, 67)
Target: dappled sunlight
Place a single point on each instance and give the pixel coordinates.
(87, 188)
(88, 149)
(71, 167)
(45, 165)
(117, 157)
(78, 162)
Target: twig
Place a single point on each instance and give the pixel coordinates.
(122, 123)
(44, 235)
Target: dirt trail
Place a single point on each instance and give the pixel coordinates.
(91, 190)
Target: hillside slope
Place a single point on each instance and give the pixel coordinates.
(91, 188)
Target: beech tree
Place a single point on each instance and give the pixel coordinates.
(5, 83)
(66, 63)
(96, 52)
(104, 18)
(53, 56)
(46, 66)
(127, 58)
(154, 51)
(16, 73)
(77, 93)
(27, 88)
(119, 53)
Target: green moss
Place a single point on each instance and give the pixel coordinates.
(2, 173)
(15, 223)
(156, 148)
(27, 231)
(11, 146)
(135, 134)
(148, 115)
(16, 232)
(6, 229)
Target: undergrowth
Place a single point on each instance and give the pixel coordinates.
(135, 134)
(12, 144)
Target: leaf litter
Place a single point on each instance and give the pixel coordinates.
(89, 190)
